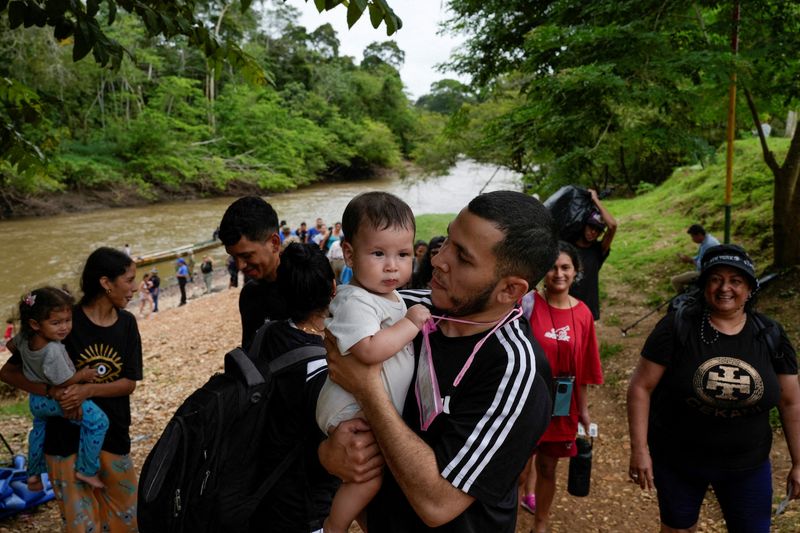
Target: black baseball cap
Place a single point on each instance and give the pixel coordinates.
(730, 255)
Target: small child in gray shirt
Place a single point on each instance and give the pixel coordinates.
(46, 319)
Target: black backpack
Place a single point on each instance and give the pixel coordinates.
(202, 474)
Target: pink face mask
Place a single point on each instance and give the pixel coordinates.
(426, 387)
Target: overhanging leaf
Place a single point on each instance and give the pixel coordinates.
(354, 11)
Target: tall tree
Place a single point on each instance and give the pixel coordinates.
(624, 90)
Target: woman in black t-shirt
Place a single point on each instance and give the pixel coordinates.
(699, 402)
(105, 337)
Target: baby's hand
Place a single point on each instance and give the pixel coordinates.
(418, 314)
(87, 374)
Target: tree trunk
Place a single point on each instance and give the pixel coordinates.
(786, 200)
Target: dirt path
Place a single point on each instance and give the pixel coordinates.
(183, 346)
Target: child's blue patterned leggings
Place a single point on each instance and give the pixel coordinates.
(94, 424)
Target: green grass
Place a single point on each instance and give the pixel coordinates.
(653, 225)
(14, 408)
(607, 351)
(429, 226)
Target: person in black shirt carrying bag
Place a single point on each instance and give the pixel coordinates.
(699, 402)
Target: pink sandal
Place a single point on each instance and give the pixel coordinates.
(528, 503)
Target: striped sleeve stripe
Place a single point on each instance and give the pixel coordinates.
(314, 368)
(418, 296)
(492, 430)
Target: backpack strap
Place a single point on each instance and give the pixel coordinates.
(768, 330)
(298, 355)
(237, 361)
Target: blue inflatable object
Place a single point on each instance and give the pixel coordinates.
(14, 493)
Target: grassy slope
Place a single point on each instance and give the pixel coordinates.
(653, 226)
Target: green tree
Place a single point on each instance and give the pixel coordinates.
(623, 91)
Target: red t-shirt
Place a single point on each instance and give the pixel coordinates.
(9, 332)
(568, 339)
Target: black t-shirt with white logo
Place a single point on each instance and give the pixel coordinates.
(712, 404)
(116, 352)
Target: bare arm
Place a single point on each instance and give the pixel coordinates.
(410, 459)
(82, 375)
(387, 342)
(789, 407)
(608, 218)
(351, 453)
(583, 406)
(645, 378)
(12, 374)
(74, 395)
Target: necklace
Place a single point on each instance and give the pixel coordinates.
(707, 322)
(309, 328)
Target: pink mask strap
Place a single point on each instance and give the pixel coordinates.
(517, 312)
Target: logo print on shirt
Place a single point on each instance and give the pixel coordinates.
(560, 334)
(728, 382)
(104, 359)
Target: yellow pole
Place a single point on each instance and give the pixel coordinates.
(731, 127)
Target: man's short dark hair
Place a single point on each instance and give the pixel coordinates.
(696, 229)
(380, 210)
(529, 247)
(249, 217)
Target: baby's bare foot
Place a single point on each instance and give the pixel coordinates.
(94, 481)
(35, 484)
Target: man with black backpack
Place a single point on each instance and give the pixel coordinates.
(249, 231)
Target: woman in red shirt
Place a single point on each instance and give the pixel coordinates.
(564, 328)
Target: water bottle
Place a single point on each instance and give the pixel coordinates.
(580, 468)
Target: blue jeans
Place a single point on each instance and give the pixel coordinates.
(745, 496)
(94, 425)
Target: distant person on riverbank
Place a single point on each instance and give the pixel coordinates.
(145, 296)
(207, 269)
(45, 317)
(127, 249)
(233, 273)
(371, 323)
(9, 332)
(287, 237)
(155, 288)
(302, 232)
(333, 234)
(106, 337)
(705, 241)
(420, 247)
(422, 278)
(593, 252)
(249, 231)
(316, 233)
(182, 274)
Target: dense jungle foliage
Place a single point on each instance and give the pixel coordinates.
(170, 119)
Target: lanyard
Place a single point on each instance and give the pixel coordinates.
(426, 387)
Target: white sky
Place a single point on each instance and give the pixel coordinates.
(418, 38)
